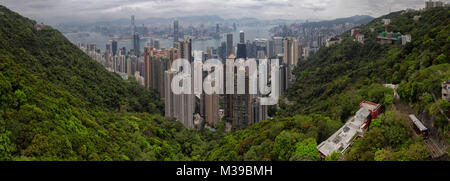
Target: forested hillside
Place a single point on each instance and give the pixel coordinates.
(58, 104)
(331, 84)
(336, 79)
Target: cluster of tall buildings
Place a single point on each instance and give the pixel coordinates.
(116, 60)
(152, 69)
(312, 36)
(239, 110)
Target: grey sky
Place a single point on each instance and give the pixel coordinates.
(58, 11)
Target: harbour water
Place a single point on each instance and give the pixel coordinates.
(251, 33)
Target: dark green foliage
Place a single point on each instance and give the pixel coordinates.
(281, 139)
(49, 56)
(336, 79)
(58, 104)
(388, 140)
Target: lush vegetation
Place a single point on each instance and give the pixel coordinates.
(58, 104)
(336, 79)
(282, 139)
(388, 140)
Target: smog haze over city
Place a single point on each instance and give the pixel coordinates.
(57, 11)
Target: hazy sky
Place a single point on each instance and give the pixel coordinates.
(58, 11)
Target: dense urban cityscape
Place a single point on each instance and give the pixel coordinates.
(151, 67)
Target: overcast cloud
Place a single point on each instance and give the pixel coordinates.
(58, 11)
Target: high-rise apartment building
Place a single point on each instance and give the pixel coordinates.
(172, 55)
(133, 26)
(175, 33)
(241, 51)
(260, 48)
(136, 44)
(223, 51)
(211, 106)
(169, 99)
(238, 107)
(108, 48)
(230, 49)
(241, 37)
(290, 51)
(185, 49)
(114, 47)
(156, 44)
(277, 45)
(290, 56)
(155, 65)
(148, 82)
(181, 107)
(217, 31)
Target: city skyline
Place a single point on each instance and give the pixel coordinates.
(55, 12)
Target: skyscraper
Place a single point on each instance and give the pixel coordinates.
(241, 51)
(212, 109)
(180, 107)
(270, 48)
(169, 100)
(156, 44)
(230, 49)
(133, 26)
(154, 66)
(223, 51)
(259, 111)
(238, 107)
(175, 33)
(185, 49)
(136, 44)
(250, 50)
(277, 45)
(290, 57)
(209, 103)
(217, 31)
(148, 82)
(123, 51)
(159, 65)
(172, 55)
(241, 37)
(114, 47)
(92, 47)
(260, 48)
(290, 51)
(108, 48)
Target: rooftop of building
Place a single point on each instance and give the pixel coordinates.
(417, 122)
(232, 56)
(370, 106)
(343, 138)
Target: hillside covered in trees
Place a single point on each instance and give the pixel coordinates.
(331, 84)
(58, 104)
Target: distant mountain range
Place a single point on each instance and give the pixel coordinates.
(210, 20)
(358, 19)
